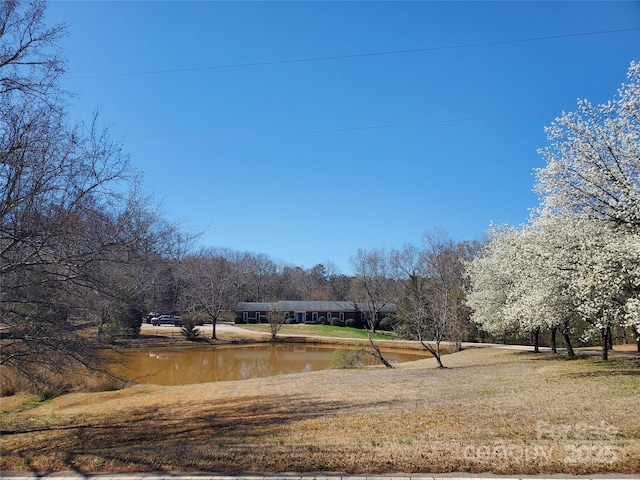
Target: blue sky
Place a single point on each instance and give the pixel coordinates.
(265, 154)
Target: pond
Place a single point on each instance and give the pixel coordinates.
(181, 366)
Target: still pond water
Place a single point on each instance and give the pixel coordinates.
(181, 366)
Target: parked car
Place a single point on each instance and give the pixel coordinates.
(167, 320)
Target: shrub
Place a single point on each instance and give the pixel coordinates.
(345, 357)
(130, 320)
(123, 321)
(239, 321)
(354, 323)
(388, 324)
(189, 330)
(336, 322)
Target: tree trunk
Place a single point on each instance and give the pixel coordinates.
(377, 353)
(554, 349)
(605, 343)
(438, 357)
(536, 339)
(433, 351)
(567, 339)
(213, 329)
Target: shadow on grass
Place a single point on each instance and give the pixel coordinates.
(175, 438)
(549, 356)
(607, 373)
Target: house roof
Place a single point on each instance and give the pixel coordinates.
(310, 306)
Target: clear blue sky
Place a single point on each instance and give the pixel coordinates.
(221, 131)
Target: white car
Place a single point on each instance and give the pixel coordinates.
(167, 320)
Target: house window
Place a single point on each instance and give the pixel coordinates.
(258, 317)
(245, 317)
(329, 316)
(342, 316)
(314, 317)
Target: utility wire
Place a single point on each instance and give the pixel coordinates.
(339, 130)
(356, 55)
(322, 131)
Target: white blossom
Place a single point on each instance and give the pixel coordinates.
(593, 161)
(578, 257)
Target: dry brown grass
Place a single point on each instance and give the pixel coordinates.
(492, 410)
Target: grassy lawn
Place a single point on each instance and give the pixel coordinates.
(493, 410)
(321, 330)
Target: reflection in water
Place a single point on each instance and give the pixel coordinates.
(180, 366)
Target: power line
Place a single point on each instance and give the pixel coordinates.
(356, 55)
(327, 130)
(339, 130)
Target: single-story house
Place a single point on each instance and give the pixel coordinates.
(310, 310)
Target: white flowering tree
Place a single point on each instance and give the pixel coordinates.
(554, 271)
(579, 256)
(491, 281)
(548, 261)
(593, 160)
(591, 268)
(606, 279)
(592, 172)
(509, 288)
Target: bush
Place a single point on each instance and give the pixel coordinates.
(130, 320)
(388, 324)
(336, 322)
(239, 321)
(346, 357)
(123, 321)
(189, 330)
(354, 323)
(264, 319)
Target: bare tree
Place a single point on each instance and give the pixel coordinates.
(209, 284)
(416, 303)
(260, 273)
(291, 284)
(239, 262)
(432, 305)
(460, 324)
(31, 62)
(75, 232)
(375, 287)
(276, 318)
